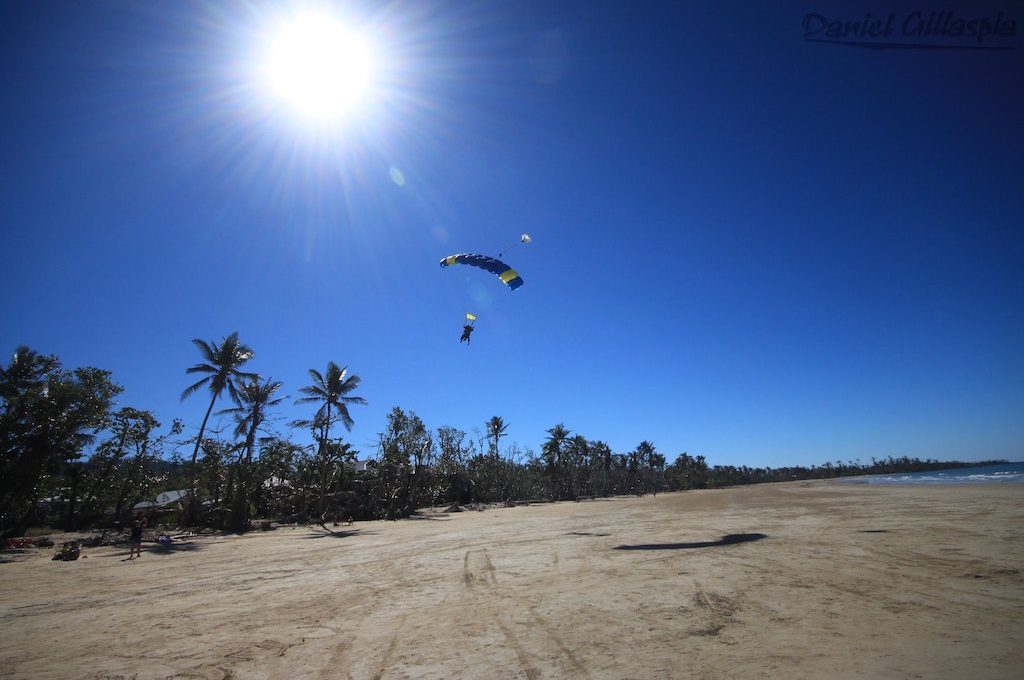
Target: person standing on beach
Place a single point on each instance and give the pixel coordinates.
(135, 541)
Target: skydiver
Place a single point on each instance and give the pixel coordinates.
(467, 330)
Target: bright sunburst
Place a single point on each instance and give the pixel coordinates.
(319, 66)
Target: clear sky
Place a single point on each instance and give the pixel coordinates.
(745, 245)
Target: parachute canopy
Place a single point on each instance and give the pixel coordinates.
(510, 277)
(470, 317)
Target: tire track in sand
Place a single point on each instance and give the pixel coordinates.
(338, 661)
(581, 670)
(532, 673)
(489, 580)
(389, 652)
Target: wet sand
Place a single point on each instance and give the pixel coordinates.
(824, 580)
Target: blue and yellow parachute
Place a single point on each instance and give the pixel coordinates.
(510, 277)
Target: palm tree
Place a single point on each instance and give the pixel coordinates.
(222, 366)
(554, 458)
(644, 459)
(330, 390)
(578, 451)
(601, 457)
(496, 429)
(254, 399)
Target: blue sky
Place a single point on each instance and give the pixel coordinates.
(747, 246)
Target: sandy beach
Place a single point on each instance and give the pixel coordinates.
(819, 580)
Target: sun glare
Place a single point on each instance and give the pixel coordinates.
(319, 66)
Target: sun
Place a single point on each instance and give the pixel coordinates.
(318, 66)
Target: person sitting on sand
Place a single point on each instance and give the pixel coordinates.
(135, 541)
(69, 552)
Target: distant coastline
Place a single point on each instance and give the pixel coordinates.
(999, 473)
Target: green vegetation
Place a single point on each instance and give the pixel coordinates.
(69, 458)
(222, 368)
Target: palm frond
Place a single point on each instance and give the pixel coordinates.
(314, 391)
(304, 423)
(346, 419)
(232, 391)
(350, 384)
(191, 389)
(241, 427)
(206, 349)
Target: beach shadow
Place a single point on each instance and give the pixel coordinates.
(431, 518)
(163, 550)
(159, 550)
(728, 539)
(117, 554)
(333, 534)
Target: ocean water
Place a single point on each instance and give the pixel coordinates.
(1007, 473)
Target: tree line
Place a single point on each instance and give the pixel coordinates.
(70, 457)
